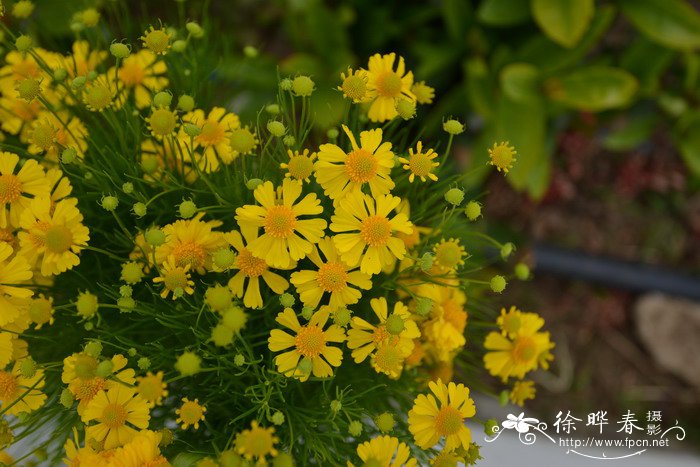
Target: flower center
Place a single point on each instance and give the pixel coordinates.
(157, 40)
(388, 358)
(85, 366)
(280, 221)
(191, 412)
(8, 386)
(175, 279)
(421, 164)
(242, 140)
(502, 156)
(511, 323)
(524, 350)
(88, 388)
(448, 421)
(43, 135)
(448, 254)
(114, 416)
(300, 167)
(259, 442)
(150, 388)
(310, 341)
(380, 334)
(249, 264)
(40, 311)
(162, 122)
(332, 277)
(131, 73)
(189, 253)
(375, 231)
(454, 314)
(10, 188)
(58, 239)
(389, 84)
(98, 97)
(355, 87)
(361, 165)
(212, 133)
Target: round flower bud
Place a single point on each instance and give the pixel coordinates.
(24, 43)
(253, 183)
(149, 164)
(522, 271)
(155, 237)
(503, 397)
(287, 300)
(191, 130)
(224, 258)
(336, 405)
(78, 82)
(303, 86)
(86, 305)
(277, 418)
(187, 209)
(426, 261)
(104, 369)
(239, 360)
(342, 316)
(234, 318)
(90, 17)
(132, 352)
(489, 427)
(221, 335)
(185, 103)
(406, 108)
(194, 29)
(28, 89)
(454, 196)
(355, 428)
(128, 188)
(68, 156)
(91, 76)
(144, 363)
(89, 326)
(250, 51)
(126, 290)
(453, 127)
(166, 437)
(276, 128)
(77, 26)
(385, 422)
(305, 365)
(109, 203)
(218, 298)
(22, 9)
(273, 109)
(332, 133)
(27, 368)
(132, 272)
(307, 312)
(498, 284)
(423, 306)
(162, 99)
(188, 364)
(93, 348)
(139, 209)
(60, 74)
(395, 325)
(119, 50)
(473, 210)
(507, 249)
(283, 459)
(286, 84)
(66, 398)
(156, 40)
(179, 46)
(289, 140)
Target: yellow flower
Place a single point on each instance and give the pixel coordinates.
(420, 164)
(242, 141)
(333, 276)
(142, 73)
(387, 85)
(12, 271)
(511, 321)
(19, 66)
(190, 413)
(41, 311)
(371, 240)
(142, 451)
(50, 135)
(449, 255)
(385, 451)
(17, 114)
(152, 388)
(6, 348)
(431, 420)
(502, 156)
(354, 86)
(175, 279)
(78, 366)
(252, 268)
(280, 243)
(310, 345)
(444, 329)
(162, 122)
(77, 456)
(191, 242)
(19, 394)
(424, 93)
(300, 166)
(522, 391)
(519, 353)
(214, 136)
(53, 234)
(340, 173)
(102, 93)
(59, 186)
(116, 412)
(83, 60)
(156, 40)
(257, 442)
(390, 341)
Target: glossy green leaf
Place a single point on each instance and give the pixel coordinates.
(521, 82)
(503, 12)
(563, 21)
(673, 23)
(594, 88)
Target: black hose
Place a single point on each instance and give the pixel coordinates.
(638, 277)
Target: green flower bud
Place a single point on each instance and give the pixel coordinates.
(506, 250)
(253, 183)
(60, 74)
(453, 127)
(307, 312)
(276, 128)
(522, 271)
(126, 304)
(93, 348)
(286, 84)
(423, 306)
(224, 258)
(68, 156)
(454, 196)
(305, 365)
(191, 130)
(24, 43)
(66, 398)
(385, 422)
(303, 86)
(336, 405)
(78, 82)
(426, 261)
(139, 209)
(250, 51)
(126, 291)
(109, 203)
(194, 29)
(273, 109)
(187, 209)
(144, 363)
(27, 368)
(473, 210)
(188, 364)
(289, 140)
(119, 50)
(128, 188)
(86, 305)
(342, 316)
(104, 369)
(498, 284)
(132, 272)
(489, 427)
(355, 428)
(287, 300)
(162, 99)
(179, 46)
(277, 418)
(239, 360)
(185, 103)
(155, 237)
(332, 133)
(406, 108)
(395, 325)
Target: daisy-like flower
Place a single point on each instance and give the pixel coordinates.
(19, 66)
(431, 420)
(252, 268)
(142, 450)
(387, 85)
(520, 352)
(13, 387)
(13, 272)
(354, 86)
(242, 141)
(152, 388)
(391, 338)
(41, 311)
(522, 391)
(309, 344)
(213, 138)
(420, 164)
(175, 279)
(300, 166)
(190, 413)
(385, 451)
(17, 114)
(83, 60)
(59, 186)
(449, 255)
(257, 442)
(117, 412)
(191, 242)
(143, 74)
(156, 40)
(281, 243)
(340, 173)
(502, 156)
(371, 239)
(424, 93)
(50, 135)
(333, 277)
(162, 122)
(102, 93)
(85, 388)
(53, 234)
(6, 348)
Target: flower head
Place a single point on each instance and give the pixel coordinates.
(156, 40)
(19, 394)
(502, 156)
(354, 86)
(300, 166)
(420, 164)
(257, 442)
(387, 86)
(190, 413)
(385, 451)
(175, 279)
